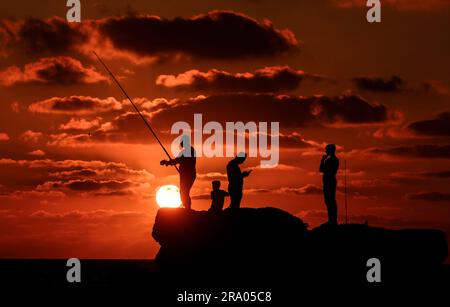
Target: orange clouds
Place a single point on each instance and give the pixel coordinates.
(269, 79)
(4, 136)
(58, 70)
(439, 126)
(60, 178)
(75, 105)
(80, 124)
(31, 136)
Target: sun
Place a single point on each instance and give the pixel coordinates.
(168, 196)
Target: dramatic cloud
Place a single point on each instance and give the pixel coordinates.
(31, 136)
(37, 152)
(269, 79)
(309, 189)
(217, 34)
(440, 126)
(75, 176)
(435, 87)
(377, 84)
(349, 109)
(290, 111)
(54, 35)
(81, 124)
(75, 105)
(295, 140)
(212, 176)
(436, 174)
(58, 70)
(428, 151)
(4, 136)
(430, 196)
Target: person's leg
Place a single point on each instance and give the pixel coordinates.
(184, 193)
(331, 206)
(332, 210)
(330, 200)
(238, 199)
(234, 198)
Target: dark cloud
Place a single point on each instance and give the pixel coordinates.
(429, 151)
(430, 196)
(65, 177)
(91, 185)
(296, 140)
(435, 87)
(349, 109)
(217, 34)
(439, 126)
(308, 189)
(442, 174)
(75, 105)
(53, 35)
(422, 175)
(290, 111)
(57, 70)
(378, 84)
(269, 79)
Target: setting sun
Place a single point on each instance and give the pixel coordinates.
(168, 196)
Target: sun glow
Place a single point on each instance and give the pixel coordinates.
(168, 196)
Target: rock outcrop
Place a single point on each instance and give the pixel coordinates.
(270, 240)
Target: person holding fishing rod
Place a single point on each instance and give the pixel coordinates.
(186, 159)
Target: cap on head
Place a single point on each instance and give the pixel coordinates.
(241, 156)
(185, 141)
(330, 149)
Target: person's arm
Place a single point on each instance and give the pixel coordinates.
(322, 164)
(225, 193)
(212, 197)
(246, 174)
(171, 161)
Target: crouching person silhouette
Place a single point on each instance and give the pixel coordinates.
(217, 197)
(186, 160)
(329, 166)
(236, 180)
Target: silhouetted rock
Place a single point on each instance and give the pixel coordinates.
(272, 241)
(241, 237)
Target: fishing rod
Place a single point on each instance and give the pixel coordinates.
(135, 108)
(345, 189)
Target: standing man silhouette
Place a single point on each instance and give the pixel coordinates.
(187, 160)
(236, 179)
(329, 166)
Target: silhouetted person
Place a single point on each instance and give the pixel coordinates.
(236, 180)
(186, 160)
(217, 197)
(329, 166)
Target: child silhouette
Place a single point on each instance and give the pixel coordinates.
(217, 197)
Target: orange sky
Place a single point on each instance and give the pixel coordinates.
(379, 91)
